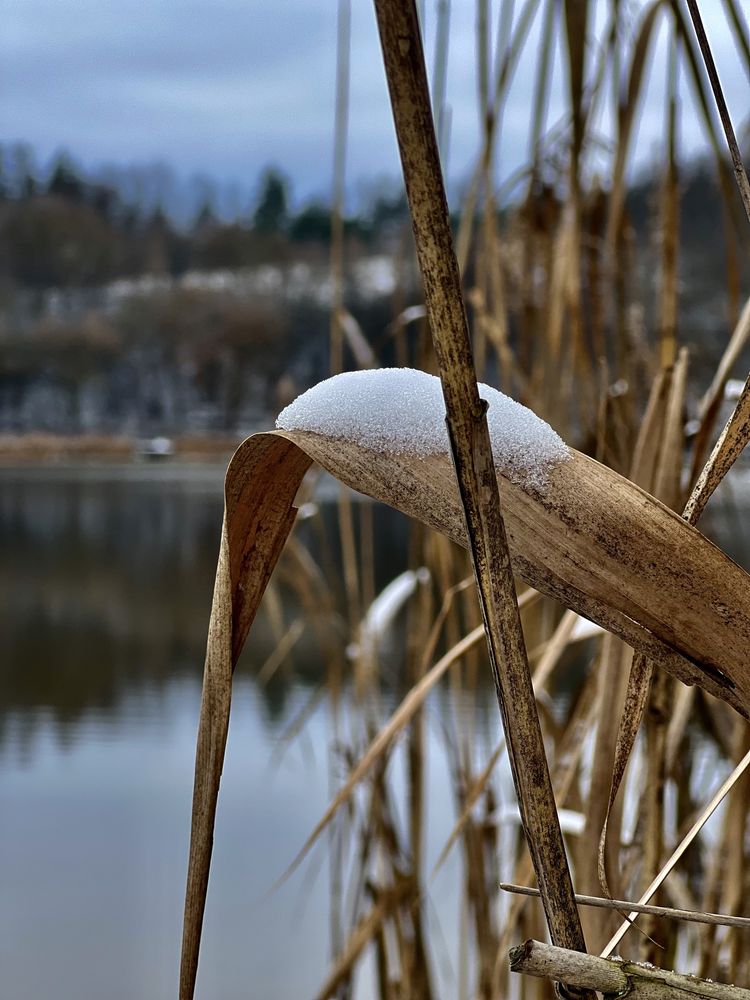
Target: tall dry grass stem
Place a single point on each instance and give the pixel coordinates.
(669, 912)
(472, 455)
(706, 813)
(721, 104)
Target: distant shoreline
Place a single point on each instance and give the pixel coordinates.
(45, 449)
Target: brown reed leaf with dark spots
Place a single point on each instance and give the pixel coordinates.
(594, 540)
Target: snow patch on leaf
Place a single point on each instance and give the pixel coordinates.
(401, 410)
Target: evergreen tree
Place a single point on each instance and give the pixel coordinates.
(271, 213)
(21, 172)
(64, 181)
(312, 224)
(205, 218)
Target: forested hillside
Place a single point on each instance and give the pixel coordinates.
(115, 316)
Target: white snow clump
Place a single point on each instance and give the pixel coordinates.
(402, 411)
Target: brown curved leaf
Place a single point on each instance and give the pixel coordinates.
(597, 543)
(259, 491)
(592, 540)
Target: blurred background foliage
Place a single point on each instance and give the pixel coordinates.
(116, 316)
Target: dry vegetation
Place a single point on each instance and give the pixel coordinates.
(557, 318)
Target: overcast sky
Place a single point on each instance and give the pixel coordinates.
(226, 87)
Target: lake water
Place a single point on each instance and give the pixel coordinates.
(105, 586)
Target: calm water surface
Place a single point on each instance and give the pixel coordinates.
(105, 585)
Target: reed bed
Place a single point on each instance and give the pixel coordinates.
(616, 635)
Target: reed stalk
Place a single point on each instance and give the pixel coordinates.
(467, 426)
(669, 912)
(615, 978)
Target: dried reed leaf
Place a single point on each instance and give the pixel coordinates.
(555, 647)
(666, 484)
(356, 340)
(739, 31)
(716, 799)
(387, 733)
(280, 652)
(472, 796)
(594, 541)
(708, 60)
(387, 901)
(722, 169)
(643, 468)
(256, 525)
(576, 22)
(714, 395)
(661, 472)
(598, 902)
(627, 115)
(681, 713)
(726, 451)
(636, 699)
(614, 660)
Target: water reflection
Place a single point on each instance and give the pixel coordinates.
(105, 588)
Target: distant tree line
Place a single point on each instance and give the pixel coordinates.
(208, 355)
(68, 230)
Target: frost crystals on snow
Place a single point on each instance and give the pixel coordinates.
(401, 410)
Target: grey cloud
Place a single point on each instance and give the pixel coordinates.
(229, 86)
